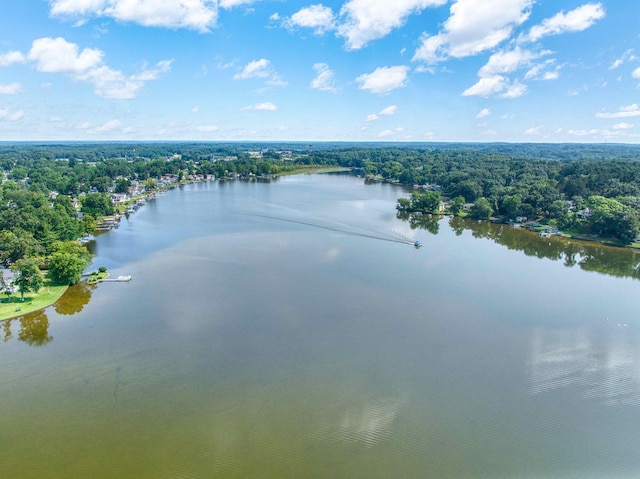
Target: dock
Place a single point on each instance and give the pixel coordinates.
(119, 279)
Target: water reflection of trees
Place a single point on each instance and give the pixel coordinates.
(34, 327)
(622, 262)
(429, 223)
(74, 299)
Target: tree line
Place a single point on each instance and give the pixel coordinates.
(590, 191)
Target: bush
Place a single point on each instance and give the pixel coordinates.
(102, 269)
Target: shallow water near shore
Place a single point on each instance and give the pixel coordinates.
(280, 330)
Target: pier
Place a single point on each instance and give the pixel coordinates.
(119, 279)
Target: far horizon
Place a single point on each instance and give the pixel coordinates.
(316, 143)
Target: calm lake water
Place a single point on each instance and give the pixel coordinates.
(284, 330)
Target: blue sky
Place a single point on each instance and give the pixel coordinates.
(353, 70)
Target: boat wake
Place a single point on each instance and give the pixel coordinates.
(398, 238)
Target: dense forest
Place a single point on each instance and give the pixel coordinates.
(52, 194)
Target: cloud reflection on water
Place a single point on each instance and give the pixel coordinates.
(603, 365)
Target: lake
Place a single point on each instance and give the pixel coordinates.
(288, 329)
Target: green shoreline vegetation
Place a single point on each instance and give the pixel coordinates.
(52, 195)
(11, 306)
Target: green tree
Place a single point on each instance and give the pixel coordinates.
(97, 204)
(404, 204)
(65, 204)
(18, 244)
(29, 276)
(88, 224)
(150, 184)
(427, 202)
(456, 205)
(481, 209)
(66, 268)
(74, 248)
(470, 189)
(611, 218)
(511, 205)
(122, 185)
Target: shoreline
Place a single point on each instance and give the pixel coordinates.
(28, 307)
(39, 303)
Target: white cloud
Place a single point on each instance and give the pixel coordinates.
(11, 116)
(76, 7)
(534, 71)
(386, 133)
(56, 55)
(10, 89)
(515, 90)
(108, 126)
(266, 106)
(583, 132)
(10, 58)
(324, 80)
(636, 73)
(624, 112)
(474, 26)
(318, 17)
(487, 86)
(207, 128)
(576, 20)
(384, 79)
(235, 3)
(508, 61)
(490, 86)
(622, 126)
(477, 25)
(199, 15)
(626, 56)
(153, 74)
(390, 110)
(256, 69)
(485, 112)
(260, 69)
(534, 130)
(431, 49)
(368, 20)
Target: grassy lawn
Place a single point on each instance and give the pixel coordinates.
(12, 306)
(96, 277)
